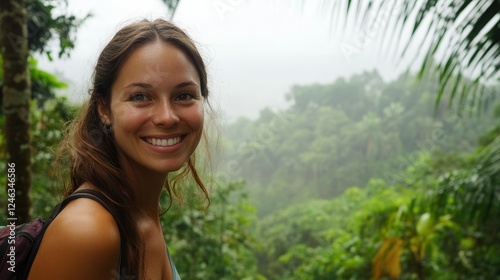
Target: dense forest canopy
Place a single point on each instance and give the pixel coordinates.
(343, 134)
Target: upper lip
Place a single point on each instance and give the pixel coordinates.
(165, 136)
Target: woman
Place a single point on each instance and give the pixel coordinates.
(144, 120)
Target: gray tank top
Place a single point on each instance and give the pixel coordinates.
(175, 274)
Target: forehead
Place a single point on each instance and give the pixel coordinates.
(157, 63)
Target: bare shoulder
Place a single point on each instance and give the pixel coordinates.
(83, 242)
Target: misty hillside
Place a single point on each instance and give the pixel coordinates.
(342, 134)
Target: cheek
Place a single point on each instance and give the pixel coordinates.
(199, 117)
(127, 118)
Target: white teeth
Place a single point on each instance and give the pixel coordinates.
(164, 142)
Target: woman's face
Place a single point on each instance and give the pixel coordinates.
(156, 109)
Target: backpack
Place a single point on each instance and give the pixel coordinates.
(19, 243)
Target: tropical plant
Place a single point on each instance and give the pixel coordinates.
(16, 105)
(46, 124)
(213, 243)
(460, 40)
(26, 27)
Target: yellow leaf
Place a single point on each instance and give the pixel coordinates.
(386, 261)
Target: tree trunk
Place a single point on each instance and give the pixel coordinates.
(16, 106)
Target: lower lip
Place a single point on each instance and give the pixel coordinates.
(165, 149)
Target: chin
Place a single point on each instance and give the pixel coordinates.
(173, 168)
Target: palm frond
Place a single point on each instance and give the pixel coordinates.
(473, 194)
(462, 36)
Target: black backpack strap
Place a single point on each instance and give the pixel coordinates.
(85, 193)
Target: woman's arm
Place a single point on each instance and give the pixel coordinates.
(83, 242)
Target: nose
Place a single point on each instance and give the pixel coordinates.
(165, 114)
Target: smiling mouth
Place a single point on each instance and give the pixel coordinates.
(164, 142)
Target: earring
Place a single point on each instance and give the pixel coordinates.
(108, 128)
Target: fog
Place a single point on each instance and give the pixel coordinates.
(255, 50)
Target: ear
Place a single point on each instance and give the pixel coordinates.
(104, 112)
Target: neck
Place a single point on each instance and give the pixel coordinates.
(147, 193)
(146, 187)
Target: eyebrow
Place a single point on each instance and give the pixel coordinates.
(148, 86)
(143, 85)
(187, 83)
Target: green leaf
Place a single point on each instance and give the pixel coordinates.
(425, 224)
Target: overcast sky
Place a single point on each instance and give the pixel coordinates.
(255, 50)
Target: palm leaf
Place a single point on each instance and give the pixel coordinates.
(467, 32)
(473, 194)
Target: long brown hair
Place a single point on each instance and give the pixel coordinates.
(90, 148)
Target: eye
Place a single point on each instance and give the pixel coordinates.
(139, 97)
(185, 96)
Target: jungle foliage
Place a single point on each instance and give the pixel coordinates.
(356, 179)
(343, 134)
(363, 179)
